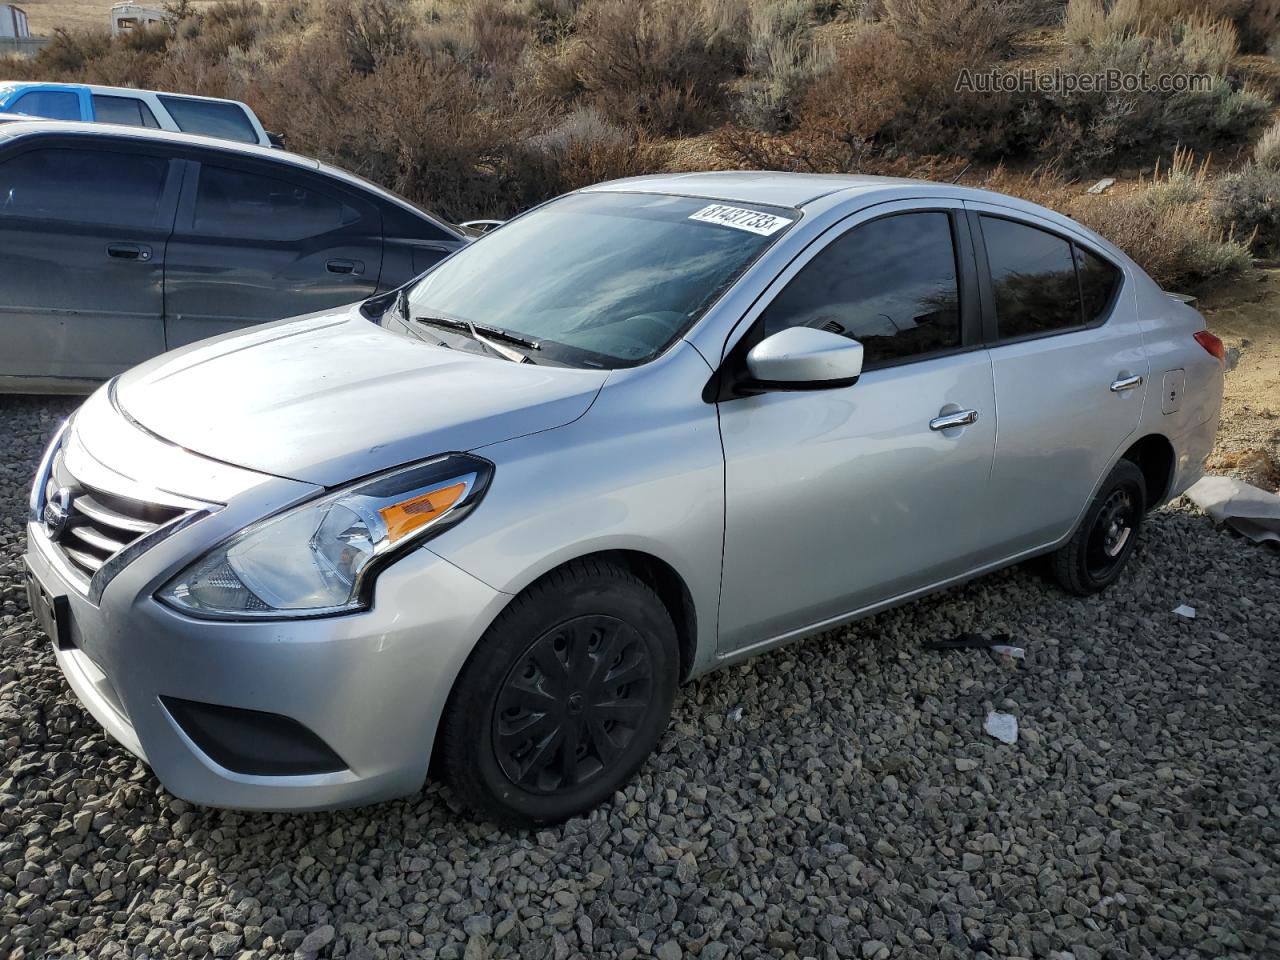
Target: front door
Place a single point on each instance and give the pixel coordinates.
(83, 238)
(840, 499)
(260, 241)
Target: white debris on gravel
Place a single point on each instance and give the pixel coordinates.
(1183, 610)
(856, 815)
(1002, 726)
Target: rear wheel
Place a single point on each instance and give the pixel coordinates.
(1096, 553)
(564, 697)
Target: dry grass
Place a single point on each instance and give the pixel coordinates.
(45, 16)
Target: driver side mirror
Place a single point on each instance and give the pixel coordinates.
(805, 358)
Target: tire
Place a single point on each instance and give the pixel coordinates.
(586, 657)
(1101, 546)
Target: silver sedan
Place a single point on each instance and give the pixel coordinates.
(640, 432)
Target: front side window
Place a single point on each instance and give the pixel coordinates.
(236, 203)
(212, 118)
(889, 284)
(1034, 279)
(52, 104)
(602, 279)
(111, 187)
(129, 111)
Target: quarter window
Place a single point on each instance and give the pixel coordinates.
(53, 104)
(121, 189)
(235, 203)
(129, 111)
(213, 118)
(1098, 283)
(889, 284)
(1034, 279)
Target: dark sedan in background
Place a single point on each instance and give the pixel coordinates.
(117, 244)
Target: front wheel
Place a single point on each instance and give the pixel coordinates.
(1096, 553)
(563, 698)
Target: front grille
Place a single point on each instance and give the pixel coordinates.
(99, 524)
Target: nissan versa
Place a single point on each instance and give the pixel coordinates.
(644, 430)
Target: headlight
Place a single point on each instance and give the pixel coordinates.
(317, 558)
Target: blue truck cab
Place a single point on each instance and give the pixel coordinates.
(158, 110)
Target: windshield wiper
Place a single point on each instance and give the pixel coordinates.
(466, 326)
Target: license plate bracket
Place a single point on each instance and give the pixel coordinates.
(52, 613)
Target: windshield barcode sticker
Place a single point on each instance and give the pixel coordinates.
(740, 218)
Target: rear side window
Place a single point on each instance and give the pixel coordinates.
(235, 203)
(1034, 279)
(53, 104)
(1099, 281)
(83, 186)
(126, 110)
(211, 117)
(889, 284)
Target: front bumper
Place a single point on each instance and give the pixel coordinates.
(370, 685)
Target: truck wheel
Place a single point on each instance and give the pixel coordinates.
(563, 698)
(1096, 553)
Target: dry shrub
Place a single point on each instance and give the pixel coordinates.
(883, 100)
(782, 60)
(1266, 152)
(1085, 129)
(68, 53)
(1174, 243)
(585, 148)
(983, 29)
(1247, 204)
(651, 63)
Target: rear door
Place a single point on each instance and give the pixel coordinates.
(84, 227)
(258, 241)
(1069, 366)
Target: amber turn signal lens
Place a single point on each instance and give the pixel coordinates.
(409, 515)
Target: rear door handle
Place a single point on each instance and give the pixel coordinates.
(1126, 383)
(355, 267)
(129, 251)
(961, 418)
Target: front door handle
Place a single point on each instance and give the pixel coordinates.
(129, 251)
(354, 267)
(1126, 383)
(961, 418)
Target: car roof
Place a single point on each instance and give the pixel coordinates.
(753, 186)
(777, 188)
(109, 90)
(21, 128)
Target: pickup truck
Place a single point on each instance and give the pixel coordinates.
(210, 116)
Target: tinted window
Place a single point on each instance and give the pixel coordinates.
(54, 104)
(602, 279)
(127, 110)
(84, 186)
(234, 203)
(1034, 279)
(1098, 283)
(889, 284)
(211, 117)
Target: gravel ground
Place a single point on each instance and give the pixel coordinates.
(837, 798)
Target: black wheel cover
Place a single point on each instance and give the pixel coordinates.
(571, 704)
(1112, 534)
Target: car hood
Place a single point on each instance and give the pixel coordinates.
(331, 397)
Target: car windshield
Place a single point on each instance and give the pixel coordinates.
(601, 279)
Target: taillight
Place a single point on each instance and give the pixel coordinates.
(1211, 344)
